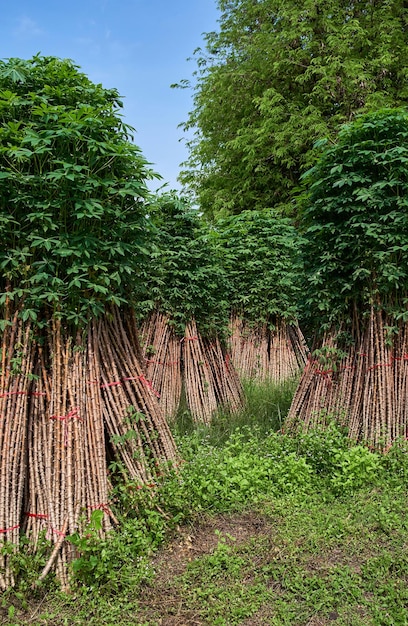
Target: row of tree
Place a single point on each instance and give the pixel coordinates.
(300, 106)
(276, 77)
(86, 251)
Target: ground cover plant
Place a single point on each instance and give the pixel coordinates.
(257, 529)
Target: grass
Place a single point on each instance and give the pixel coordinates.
(266, 405)
(317, 564)
(256, 528)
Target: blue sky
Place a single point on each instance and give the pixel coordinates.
(138, 46)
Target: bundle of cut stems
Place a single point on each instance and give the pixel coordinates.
(17, 355)
(57, 399)
(210, 379)
(198, 379)
(138, 432)
(365, 391)
(261, 353)
(225, 380)
(67, 458)
(162, 359)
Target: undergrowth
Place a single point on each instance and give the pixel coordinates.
(265, 408)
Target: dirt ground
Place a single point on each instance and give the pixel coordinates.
(161, 602)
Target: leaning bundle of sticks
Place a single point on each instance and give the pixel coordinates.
(63, 402)
(365, 389)
(198, 366)
(265, 353)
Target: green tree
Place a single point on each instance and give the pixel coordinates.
(259, 251)
(72, 192)
(354, 216)
(273, 79)
(185, 279)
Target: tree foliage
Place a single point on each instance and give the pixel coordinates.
(355, 220)
(185, 279)
(72, 189)
(277, 76)
(259, 251)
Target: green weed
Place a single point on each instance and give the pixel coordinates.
(335, 550)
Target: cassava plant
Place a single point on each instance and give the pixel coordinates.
(72, 231)
(259, 251)
(185, 280)
(354, 218)
(189, 286)
(72, 190)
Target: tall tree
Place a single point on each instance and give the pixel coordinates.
(273, 79)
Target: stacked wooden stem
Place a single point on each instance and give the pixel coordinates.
(134, 419)
(57, 401)
(162, 360)
(365, 391)
(262, 354)
(201, 367)
(210, 380)
(17, 353)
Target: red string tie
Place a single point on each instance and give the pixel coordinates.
(74, 413)
(149, 385)
(116, 383)
(310, 362)
(325, 374)
(13, 393)
(103, 506)
(7, 530)
(37, 515)
(376, 365)
(56, 532)
(22, 393)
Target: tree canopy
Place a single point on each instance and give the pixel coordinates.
(184, 278)
(276, 77)
(72, 190)
(355, 220)
(259, 251)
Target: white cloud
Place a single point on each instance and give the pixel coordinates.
(27, 27)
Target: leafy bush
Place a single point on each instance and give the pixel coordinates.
(321, 447)
(355, 221)
(72, 190)
(259, 251)
(355, 468)
(121, 559)
(184, 278)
